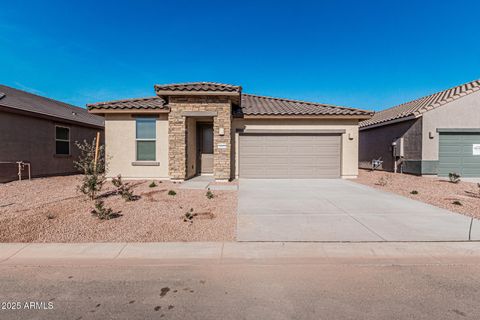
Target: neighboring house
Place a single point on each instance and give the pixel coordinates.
(214, 129)
(434, 135)
(42, 132)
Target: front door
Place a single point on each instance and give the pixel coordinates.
(205, 148)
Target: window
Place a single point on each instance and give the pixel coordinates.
(146, 139)
(62, 140)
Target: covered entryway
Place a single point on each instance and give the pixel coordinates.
(459, 152)
(292, 155)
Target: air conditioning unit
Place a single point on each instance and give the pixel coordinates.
(398, 148)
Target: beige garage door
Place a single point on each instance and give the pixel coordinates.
(289, 156)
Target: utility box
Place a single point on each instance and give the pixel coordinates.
(398, 148)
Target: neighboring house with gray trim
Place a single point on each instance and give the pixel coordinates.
(206, 128)
(42, 132)
(434, 135)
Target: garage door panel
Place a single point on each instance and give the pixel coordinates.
(456, 154)
(289, 156)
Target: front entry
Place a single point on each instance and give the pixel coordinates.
(205, 148)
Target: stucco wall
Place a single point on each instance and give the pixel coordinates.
(121, 148)
(32, 139)
(376, 143)
(349, 165)
(461, 113)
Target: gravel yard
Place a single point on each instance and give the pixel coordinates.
(52, 210)
(433, 191)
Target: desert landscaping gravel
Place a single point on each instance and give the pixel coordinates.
(434, 191)
(52, 210)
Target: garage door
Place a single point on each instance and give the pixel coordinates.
(289, 156)
(460, 153)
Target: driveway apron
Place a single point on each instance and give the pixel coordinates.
(338, 210)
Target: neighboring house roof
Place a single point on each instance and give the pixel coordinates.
(198, 87)
(260, 105)
(135, 103)
(32, 103)
(417, 107)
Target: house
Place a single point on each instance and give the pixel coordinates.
(206, 128)
(42, 132)
(433, 135)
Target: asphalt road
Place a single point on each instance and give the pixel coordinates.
(243, 290)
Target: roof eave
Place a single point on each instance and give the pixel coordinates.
(386, 123)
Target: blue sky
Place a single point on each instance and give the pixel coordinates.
(366, 54)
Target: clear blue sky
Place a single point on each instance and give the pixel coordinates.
(366, 54)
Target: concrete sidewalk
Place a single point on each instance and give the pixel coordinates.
(168, 252)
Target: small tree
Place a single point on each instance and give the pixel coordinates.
(93, 174)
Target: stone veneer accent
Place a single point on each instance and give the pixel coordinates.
(177, 133)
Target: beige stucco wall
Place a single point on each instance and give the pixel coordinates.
(461, 113)
(349, 166)
(120, 148)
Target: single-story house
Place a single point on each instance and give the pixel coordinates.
(206, 128)
(42, 132)
(434, 135)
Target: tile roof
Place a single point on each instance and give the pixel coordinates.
(199, 87)
(260, 105)
(135, 103)
(419, 106)
(25, 101)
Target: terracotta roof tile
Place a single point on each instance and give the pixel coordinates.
(198, 87)
(260, 105)
(419, 106)
(135, 103)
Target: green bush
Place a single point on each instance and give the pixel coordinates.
(101, 212)
(171, 193)
(123, 189)
(152, 185)
(414, 192)
(457, 203)
(210, 194)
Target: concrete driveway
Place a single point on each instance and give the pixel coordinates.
(340, 210)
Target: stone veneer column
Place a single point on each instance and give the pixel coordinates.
(177, 145)
(221, 156)
(177, 136)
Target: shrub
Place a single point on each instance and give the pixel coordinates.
(51, 216)
(189, 216)
(210, 194)
(383, 181)
(93, 175)
(171, 193)
(457, 203)
(123, 189)
(152, 185)
(101, 212)
(454, 177)
(414, 192)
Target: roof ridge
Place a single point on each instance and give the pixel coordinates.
(196, 82)
(123, 100)
(301, 101)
